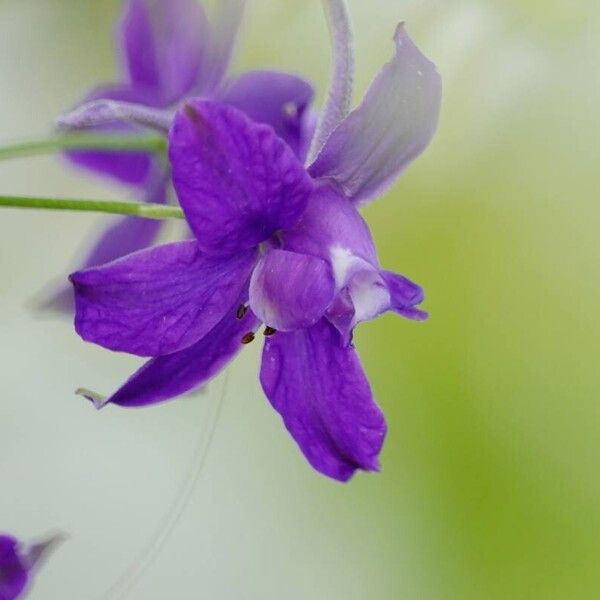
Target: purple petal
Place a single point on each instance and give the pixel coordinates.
(166, 377)
(237, 182)
(405, 295)
(13, 571)
(164, 45)
(331, 225)
(277, 99)
(158, 300)
(323, 395)
(224, 33)
(393, 125)
(131, 168)
(291, 291)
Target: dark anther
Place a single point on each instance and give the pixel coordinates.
(249, 337)
(192, 113)
(269, 331)
(241, 312)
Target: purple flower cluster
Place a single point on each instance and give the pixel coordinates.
(277, 242)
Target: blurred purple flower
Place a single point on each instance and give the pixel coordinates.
(17, 563)
(287, 240)
(170, 52)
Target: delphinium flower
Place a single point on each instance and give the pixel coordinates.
(276, 243)
(169, 52)
(17, 564)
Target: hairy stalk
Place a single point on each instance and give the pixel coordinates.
(84, 141)
(135, 209)
(339, 96)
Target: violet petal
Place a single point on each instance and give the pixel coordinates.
(325, 400)
(13, 571)
(290, 291)
(393, 125)
(237, 182)
(159, 300)
(164, 44)
(166, 377)
(278, 99)
(405, 296)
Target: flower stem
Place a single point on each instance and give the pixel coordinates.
(136, 209)
(85, 141)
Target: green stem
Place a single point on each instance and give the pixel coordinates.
(136, 209)
(85, 141)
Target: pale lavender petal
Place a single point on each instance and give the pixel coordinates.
(166, 377)
(14, 573)
(291, 291)
(131, 168)
(342, 76)
(323, 395)
(110, 112)
(331, 227)
(224, 34)
(393, 125)
(405, 296)
(237, 182)
(165, 43)
(277, 99)
(159, 300)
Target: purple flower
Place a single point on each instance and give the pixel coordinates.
(169, 52)
(17, 563)
(278, 244)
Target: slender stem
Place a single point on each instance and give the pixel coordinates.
(341, 82)
(84, 141)
(136, 209)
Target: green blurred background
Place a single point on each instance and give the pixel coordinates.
(489, 486)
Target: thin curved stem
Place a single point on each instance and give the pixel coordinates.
(135, 209)
(339, 95)
(84, 141)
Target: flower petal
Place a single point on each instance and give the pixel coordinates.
(237, 182)
(393, 125)
(405, 295)
(224, 33)
(290, 291)
(277, 99)
(131, 168)
(164, 44)
(166, 377)
(13, 571)
(323, 395)
(158, 300)
(331, 224)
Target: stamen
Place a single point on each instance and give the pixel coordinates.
(249, 337)
(241, 312)
(269, 331)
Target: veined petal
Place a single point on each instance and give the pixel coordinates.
(291, 291)
(320, 390)
(393, 125)
(405, 296)
(277, 99)
(166, 377)
(164, 43)
(237, 182)
(131, 168)
(157, 301)
(13, 570)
